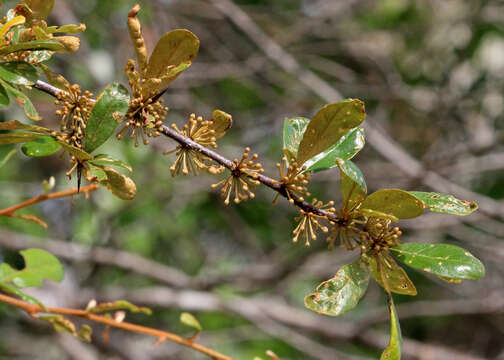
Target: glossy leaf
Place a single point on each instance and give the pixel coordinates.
(102, 123)
(393, 350)
(353, 186)
(17, 137)
(444, 203)
(173, 53)
(120, 185)
(328, 126)
(41, 146)
(15, 21)
(4, 97)
(16, 125)
(445, 260)
(107, 160)
(40, 8)
(78, 153)
(18, 72)
(389, 274)
(39, 265)
(189, 320)
(397, 202)
(118, 305)
(346, 148)
(342, 293)
(293, 131)
(32, 45)
(23, 101)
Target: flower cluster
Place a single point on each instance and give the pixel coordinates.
(379, 235)
(292, 180)
(74, 109)
(309, 222)
(145, 114)
(243, 179)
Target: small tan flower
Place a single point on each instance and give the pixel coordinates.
(309, 223)
(292, 181)
(243, 179)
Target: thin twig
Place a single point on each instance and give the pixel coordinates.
(33, 309)
(43, 197)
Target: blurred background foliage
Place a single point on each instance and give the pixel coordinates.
(432, 76)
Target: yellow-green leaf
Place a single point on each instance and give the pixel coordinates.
(17, 137)
(293, 131)
(342, 293)
(23, 101)
(173, 53)
(353, 185)
(393, 350)
(389, 274)
(444, 203)
(41, 146)
(397, 202)
(189, 320)
(328, 126)
(40, 8)
(118, 305)
(120, 185)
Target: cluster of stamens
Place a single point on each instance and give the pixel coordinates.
(145, 114)
(309, 222)
(243, 179)
(378, 235)
(292, 180)
(191, 161)
(74, 109)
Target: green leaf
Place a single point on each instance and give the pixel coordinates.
(444, 203)
(120, 185)
(378, 214)
(40, 8)
(17, 137)
(389, 274)
(7, 157)
(293, 131)
(173, 53)
(397, 202)
(23, 101)
(4, 97)
(189, 320)
(18, 72)
(346, 148)
(353, 185)
(10, 289)
(39, 265)
(104, 159)
(393, 350)
(444, 260)
(95, 173)
(118, 305)
(342, 293)
(41, 146)
(16, 125)
(112, 100)
(78, 153)
(32, 45)
(328, 126)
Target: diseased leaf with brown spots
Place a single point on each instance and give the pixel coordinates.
(444, 203)
(389, 274)
(397, 202)
(342, 293)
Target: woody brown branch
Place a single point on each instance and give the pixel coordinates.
(186, 142)
(33, 309)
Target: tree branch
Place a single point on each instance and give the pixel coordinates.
(33, 309)
(186, 142)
